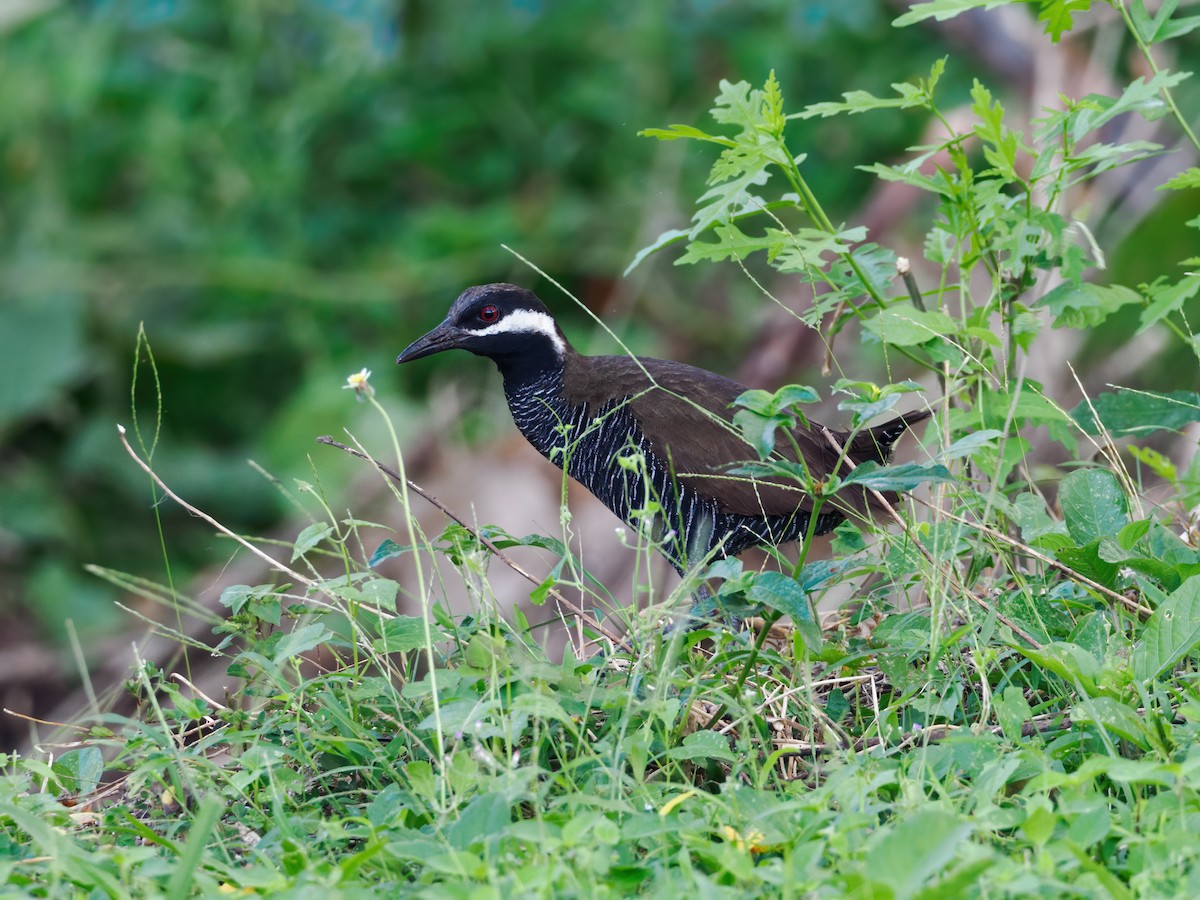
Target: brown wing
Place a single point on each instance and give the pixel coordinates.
(685, 414)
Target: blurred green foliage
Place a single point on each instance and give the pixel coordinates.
(285, 191)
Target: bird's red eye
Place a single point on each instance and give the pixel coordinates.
(489, 314)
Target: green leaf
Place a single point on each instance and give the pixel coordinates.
(481, 819)
(914, 850)
(1070, 662)
(971, 444)
(763, 413)
(1093, 504)
(1086, 560)
(262, 601)
(1140, 96)
(79, 770)
(815, 574)
(310, 537)
(1124, 412)
(782, 401)
(784, 595)
(729, 198)
(301, 640)
(1113, 716)
(903, 325)
(1160, 465)
(1000, 143)
(1059, 15)
(402, 634)
(1028, 512)
(854, 102)
(702, 746)
(1171, 633)
(502, 540)
(1012, 712)
(1087, 305)
(677, 132)
(666, 239)
(941, 10)
(389, 549)
(731, 243)
(759, 430)
(1166, 298)
(1161, 27)
(378, 593)
(1185, 180)
(903, 477)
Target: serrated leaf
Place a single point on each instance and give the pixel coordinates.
(677, 132)
(1138, 412)
(1166, 298)
(1140, 96)
(804, 248)
(1059, 15)
(310, 537)
(1185, 180)
(855, 102)
(910, 173)
(729, 198)
(731, 243)
(1087, 305)
(1001, 144)
(1171, 633)
(737, 104)
(1162, 27)
(666, 239)
(1093, 505)
(941, 10)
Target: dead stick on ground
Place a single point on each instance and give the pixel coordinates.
(500, 554)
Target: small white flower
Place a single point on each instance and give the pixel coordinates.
(358, 382)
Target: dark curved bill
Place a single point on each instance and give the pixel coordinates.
(444, 337)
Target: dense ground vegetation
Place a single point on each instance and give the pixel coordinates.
(1006, 708)
(283, 191)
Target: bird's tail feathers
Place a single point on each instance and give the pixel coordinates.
(875, 444)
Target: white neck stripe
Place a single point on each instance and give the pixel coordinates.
(527, 321)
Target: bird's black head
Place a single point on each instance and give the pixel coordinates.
(505, 323)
